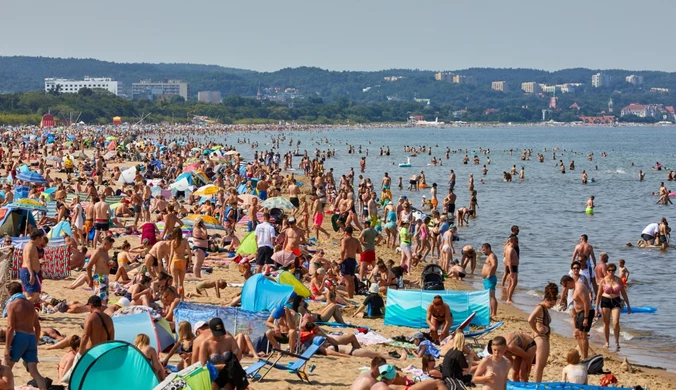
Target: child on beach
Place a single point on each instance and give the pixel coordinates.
(624, 272)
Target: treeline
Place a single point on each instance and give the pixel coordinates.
(21, 74)
(94, 107)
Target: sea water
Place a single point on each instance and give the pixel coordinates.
(548, 206)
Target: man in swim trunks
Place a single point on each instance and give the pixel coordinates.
(262, 188)
(349, 248)
(265, 238)
(29, 273)
(102, 214)
(583, 253)
(293, 237)
(369, 238)
(318, 216)
(582, 311)
(512, 261)
(21, 341)
(100, 262)
(490, 279)
(294, 190)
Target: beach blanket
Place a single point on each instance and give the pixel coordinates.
(55, 267)
(371, 338)
(401, 344)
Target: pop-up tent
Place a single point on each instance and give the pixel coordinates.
(259, 293)
(129, 326)
(555, 386)
(113, 365)
(13, 221)
(409, 307)
(248, 245)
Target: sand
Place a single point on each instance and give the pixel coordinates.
(330, 372)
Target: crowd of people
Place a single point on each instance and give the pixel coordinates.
(372, 226)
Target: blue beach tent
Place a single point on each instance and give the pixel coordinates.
(259, 293)
(113, 365)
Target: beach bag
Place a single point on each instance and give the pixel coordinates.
(454, 384)
(594, 364)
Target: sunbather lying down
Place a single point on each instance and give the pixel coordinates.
(345, 345)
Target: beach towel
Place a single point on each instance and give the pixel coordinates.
(55, 267)
(372, 338)
(10, 300)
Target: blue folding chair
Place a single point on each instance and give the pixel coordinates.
(294, 367)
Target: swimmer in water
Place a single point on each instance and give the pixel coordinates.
(590, 206)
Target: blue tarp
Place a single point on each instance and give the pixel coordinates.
(409, 307)
(555, 386)
(235, 319)
(259, 293)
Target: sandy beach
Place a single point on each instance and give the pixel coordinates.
(325, 375)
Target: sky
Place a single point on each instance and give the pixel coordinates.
(268, 35)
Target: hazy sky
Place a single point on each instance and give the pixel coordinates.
(349, 34)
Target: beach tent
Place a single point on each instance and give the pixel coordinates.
(13, 221)
(60, 229)
(127, 176)
(129, 326)
(113, 365)
(409, 307)
(248, 245)
(195, 377)
(259, 293)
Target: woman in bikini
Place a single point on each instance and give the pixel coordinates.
(540, 321)
(200, 245)
(609, 302)
(178, 253)
(522, 348)
(183, 346)
(142, 342)
(439, 318)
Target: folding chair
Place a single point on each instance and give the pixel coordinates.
(294, 367)
(476, 337)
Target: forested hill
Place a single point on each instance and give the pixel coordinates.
(20, 74)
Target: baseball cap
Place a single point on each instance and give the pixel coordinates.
(387, 371)
(291, 220)
(417, 336)
(198, 325)
(94, 300)
(217, 327)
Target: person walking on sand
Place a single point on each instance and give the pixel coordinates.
(582, 310)
(98, 326)
(23, 327)
(29, 273)
(490, 279)
(101, 264)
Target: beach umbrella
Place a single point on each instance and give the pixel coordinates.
(187, 176)
(284, 258)
(209, 221)
(111, 138)
(109, 155)
(28, 204)
(207, 190)
(278, 202)
(127, 176)
(31, 177)
(191, 167)
(247, 198)
(24, 169)
(231, 152)
(200, 175)
(181, 185)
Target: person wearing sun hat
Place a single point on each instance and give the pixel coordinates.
(373, 303)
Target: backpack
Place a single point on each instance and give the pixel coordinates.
(594, 364)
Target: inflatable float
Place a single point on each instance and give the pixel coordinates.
(286, 277)
(407, 164)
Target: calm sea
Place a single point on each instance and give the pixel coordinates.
(548, 206)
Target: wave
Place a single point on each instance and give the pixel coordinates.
(624, 335)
